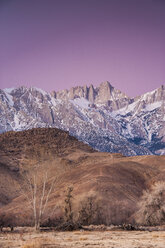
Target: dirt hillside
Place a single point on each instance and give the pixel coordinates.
(114, 183)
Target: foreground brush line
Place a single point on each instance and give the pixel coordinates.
(71, 227)
(26, 238)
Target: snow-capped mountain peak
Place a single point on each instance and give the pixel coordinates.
(102, 116)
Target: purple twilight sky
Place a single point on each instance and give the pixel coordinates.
(57, 44)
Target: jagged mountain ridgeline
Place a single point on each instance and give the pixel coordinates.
(103, 117)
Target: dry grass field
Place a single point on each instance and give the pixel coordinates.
(79, 239)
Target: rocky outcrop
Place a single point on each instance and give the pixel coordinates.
(102, 94)
(153, 96)
(106, 92)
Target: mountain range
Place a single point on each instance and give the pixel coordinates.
(103, 117)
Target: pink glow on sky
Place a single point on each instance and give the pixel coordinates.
(58, 44)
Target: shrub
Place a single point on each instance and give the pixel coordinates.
(152, 206)
(7, 220)
(89, 212)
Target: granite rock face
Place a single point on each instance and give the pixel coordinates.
(102, 94)
(103, 116)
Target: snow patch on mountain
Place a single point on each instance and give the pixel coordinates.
(132, 108)
(16, 122)
(152, 106)
(40, 90)
(9, 97)
(124, 111)
(8, 90)
(81, 102)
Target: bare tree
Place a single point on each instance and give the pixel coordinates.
(90, 211)
(38, 181)
(37, 189)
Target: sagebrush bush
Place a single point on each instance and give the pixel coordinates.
(152, 206)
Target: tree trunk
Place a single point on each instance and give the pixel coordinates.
(37, 227)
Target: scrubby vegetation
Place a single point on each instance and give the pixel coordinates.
(7, 220)
(90, 211)
(152, 206)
